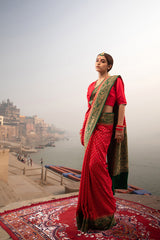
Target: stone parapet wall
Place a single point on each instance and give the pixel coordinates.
(4, 157)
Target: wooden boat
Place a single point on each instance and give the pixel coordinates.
(39, 147)
(75, 175)
(50, 144)
(70, 173)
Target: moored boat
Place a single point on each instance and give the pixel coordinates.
(75, 175)
(70, 173)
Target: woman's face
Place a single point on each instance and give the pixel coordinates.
(101, 64)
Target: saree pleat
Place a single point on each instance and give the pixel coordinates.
(96, 204)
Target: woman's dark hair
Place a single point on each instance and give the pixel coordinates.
(108, 58)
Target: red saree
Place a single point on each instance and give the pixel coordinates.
(96, 204)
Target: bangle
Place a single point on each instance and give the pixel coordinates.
(119, 129)
(120, 126)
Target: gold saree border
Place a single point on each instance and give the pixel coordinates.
(103, 223)
(97, 106)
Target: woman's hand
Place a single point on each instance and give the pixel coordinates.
(119, 136)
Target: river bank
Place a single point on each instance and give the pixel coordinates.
(17, 147)
(23, 190)
(27, 183)
(143, 161)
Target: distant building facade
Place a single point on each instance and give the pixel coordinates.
(10, 113)
(1, 120)
(15, 127)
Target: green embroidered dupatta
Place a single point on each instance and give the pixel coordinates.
(117, 155)
(97, 106)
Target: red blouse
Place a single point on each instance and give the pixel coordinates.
(116, 93)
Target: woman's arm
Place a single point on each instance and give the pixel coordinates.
(119, 134)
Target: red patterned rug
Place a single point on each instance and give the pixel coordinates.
(56, 220)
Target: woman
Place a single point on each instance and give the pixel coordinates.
(104, 137)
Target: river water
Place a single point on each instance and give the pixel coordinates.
(143, 162)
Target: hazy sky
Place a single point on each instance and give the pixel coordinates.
(48, 50)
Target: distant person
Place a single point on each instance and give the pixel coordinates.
(104, 137)
(31, 161)
(24, 158)
(41, 161)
